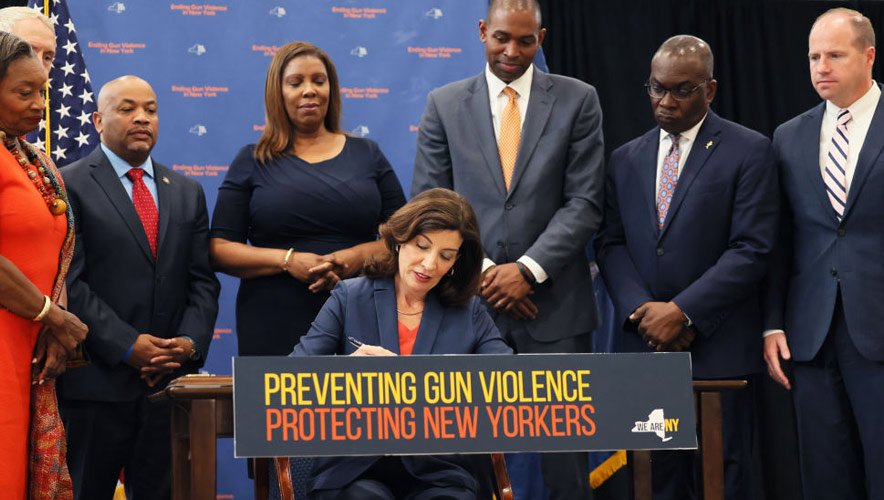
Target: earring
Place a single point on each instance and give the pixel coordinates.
(396, 250)
(450, 272)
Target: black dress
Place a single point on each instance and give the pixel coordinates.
(311, 207)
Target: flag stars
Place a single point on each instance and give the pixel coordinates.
(66, 90)
(86, 96)
(68, 68)
(85, 118)
(71, 46)
(70, 26)
(61, 133)
(82, 139)
(58, 152)
(64, 111)
(54, 19)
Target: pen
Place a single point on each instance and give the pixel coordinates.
(353, 341)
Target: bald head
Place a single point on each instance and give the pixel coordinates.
(503, 6)
(34, 28)
(127, 118)
(687, 46)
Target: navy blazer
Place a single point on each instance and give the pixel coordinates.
(819, 252)
(117, 287)
(365, 309)
(713, 250)
(554, 204)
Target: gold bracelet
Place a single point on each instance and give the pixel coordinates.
(285, 263)
(45, 310)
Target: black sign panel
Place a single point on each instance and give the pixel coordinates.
(345, 405)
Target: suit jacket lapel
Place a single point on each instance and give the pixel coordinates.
(809, 134)
(385, 308)
(704, 145)
(106, 177)
(165, 200)
(540, 106)
(479, 109)
(429, 327)
(646, 172)
(870, 152)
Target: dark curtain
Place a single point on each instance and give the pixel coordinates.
(761, 65)
(760, 50)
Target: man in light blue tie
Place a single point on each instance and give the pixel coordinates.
(826, 285)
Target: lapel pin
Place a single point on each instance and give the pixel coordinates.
(708, 144)
(166, 179)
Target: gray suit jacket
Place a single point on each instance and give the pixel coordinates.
(554, 204)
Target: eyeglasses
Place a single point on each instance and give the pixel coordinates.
(658, 91)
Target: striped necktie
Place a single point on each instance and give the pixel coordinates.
(510, 135)
(668, 180)
(835, 175)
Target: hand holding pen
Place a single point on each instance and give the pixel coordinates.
(363, 349)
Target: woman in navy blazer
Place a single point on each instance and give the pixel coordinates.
(419, 297)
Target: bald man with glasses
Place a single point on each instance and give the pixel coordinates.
(690, 222)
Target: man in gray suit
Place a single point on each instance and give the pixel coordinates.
(526, 149)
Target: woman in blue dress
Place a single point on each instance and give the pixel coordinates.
(300, 209)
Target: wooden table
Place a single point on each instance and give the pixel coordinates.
(707, 406)
(202, 411)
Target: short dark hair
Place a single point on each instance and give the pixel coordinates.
(515, 6)
(277, 139)
(862, 27)
(433, 210)
(12, 48)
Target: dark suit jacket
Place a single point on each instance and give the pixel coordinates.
(119, 290)
(713, 250)
(554, 204)
(366, 310)
(818, 251)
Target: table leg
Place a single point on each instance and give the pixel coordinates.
(202, 449)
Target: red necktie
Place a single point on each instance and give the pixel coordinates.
(145, 206)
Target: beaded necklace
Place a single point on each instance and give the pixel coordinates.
(37, 174)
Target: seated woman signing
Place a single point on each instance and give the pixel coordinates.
(418, 297)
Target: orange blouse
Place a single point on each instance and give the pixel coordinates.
(406, 339)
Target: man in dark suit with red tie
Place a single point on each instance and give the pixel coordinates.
(141, 280)
(690, 221)
(827, 289)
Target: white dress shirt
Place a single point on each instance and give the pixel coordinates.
(685, 142)
(861, 111)
(498, 101)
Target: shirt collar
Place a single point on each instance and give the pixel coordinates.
(522, 84)
(688, 135)
(863, 105)
(121, 166)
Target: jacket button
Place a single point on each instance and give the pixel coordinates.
(660, 252)
(508, 206)
(833, 272)
(500, 243)
(841, 231)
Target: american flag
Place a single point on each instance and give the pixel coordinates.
(70, 134)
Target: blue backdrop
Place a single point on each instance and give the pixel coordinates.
(207, 64)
